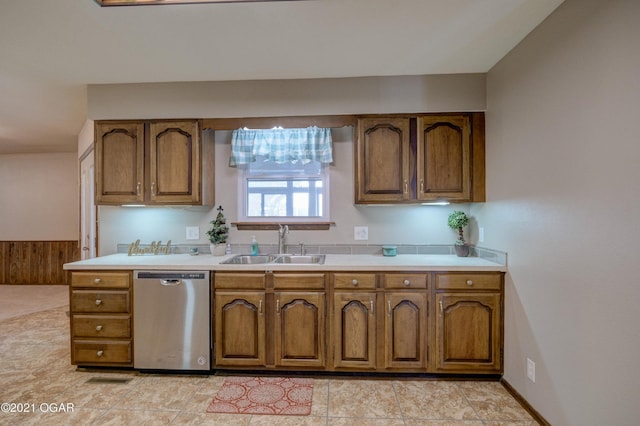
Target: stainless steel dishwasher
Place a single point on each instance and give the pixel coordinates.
(172, 316)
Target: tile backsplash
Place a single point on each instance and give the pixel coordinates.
(373, 249)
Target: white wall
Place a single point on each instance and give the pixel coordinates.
(265, 98)
(387, 225)
(563, 198)
(39, 197)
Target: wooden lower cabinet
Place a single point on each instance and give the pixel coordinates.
(405, 331)
(429, 322)
(240, 329)
(100, 318)
(468, 323)
(354, 330)
(270, 328)
(299, 334)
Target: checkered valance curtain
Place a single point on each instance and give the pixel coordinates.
(281, 145)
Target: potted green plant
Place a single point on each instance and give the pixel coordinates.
(458, 220)
(218, 233)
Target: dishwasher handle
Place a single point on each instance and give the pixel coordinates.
(170, 283)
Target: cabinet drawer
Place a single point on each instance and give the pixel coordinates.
(354, 281)
(405, 280)
(109, 326)
(298, 281)
(469, 281)
(100, 279)
(101, 352)
(115, 301)
(239, 281)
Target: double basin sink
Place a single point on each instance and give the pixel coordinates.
(302, 259)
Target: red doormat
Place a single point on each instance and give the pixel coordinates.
(264, 395)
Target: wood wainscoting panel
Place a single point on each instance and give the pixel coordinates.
(36, 262)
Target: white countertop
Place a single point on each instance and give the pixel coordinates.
(333, 262)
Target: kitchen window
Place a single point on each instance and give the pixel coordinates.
(283, 174)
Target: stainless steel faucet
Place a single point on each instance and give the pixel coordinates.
(284, 229)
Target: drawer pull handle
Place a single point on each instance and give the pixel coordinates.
(441, 310)
(99, 353)
(406, 187)
(138, 189)
(260, 307)
(98, 328)
(153, 189)
(389, 306)
(371, 303)
(407, 282)
(97, 280)
(354, 282)
(98, 302)
(278, 306)
(469, 282)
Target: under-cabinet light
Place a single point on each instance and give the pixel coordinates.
(436, 203)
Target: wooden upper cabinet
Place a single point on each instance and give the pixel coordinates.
(174, 156)
(119, 162)
(444, 158)
(420, 158)
(153, 162)
(382, 160)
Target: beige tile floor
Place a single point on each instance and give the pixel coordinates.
(35, 370)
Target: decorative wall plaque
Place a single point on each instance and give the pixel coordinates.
(154, 248)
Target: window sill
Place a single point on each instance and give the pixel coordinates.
(274, 226)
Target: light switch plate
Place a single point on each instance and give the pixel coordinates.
(360, 233)
(193, 233)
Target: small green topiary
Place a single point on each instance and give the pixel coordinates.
(458, 220)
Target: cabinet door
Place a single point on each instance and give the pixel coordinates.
(174, 161)
(240, 328)
(383, 160)
(119, 164)
(444, 158)
(468, 335)
(354, 330)
(405, 330)
(299, 329)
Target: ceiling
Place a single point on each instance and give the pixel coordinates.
(51, 50)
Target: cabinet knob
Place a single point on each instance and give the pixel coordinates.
(98, 302)
(354, 282)
(99, 353)
(469, 282)
(97, 280)
(98, 328)
(407, 282)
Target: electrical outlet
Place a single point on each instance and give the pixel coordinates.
(531, 370)
(193, 233)
(360, 232)
(481, 235)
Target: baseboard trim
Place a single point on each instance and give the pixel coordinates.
(525, 404)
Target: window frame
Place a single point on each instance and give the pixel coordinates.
(244, 176)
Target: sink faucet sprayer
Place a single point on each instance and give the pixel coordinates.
(284, 229)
